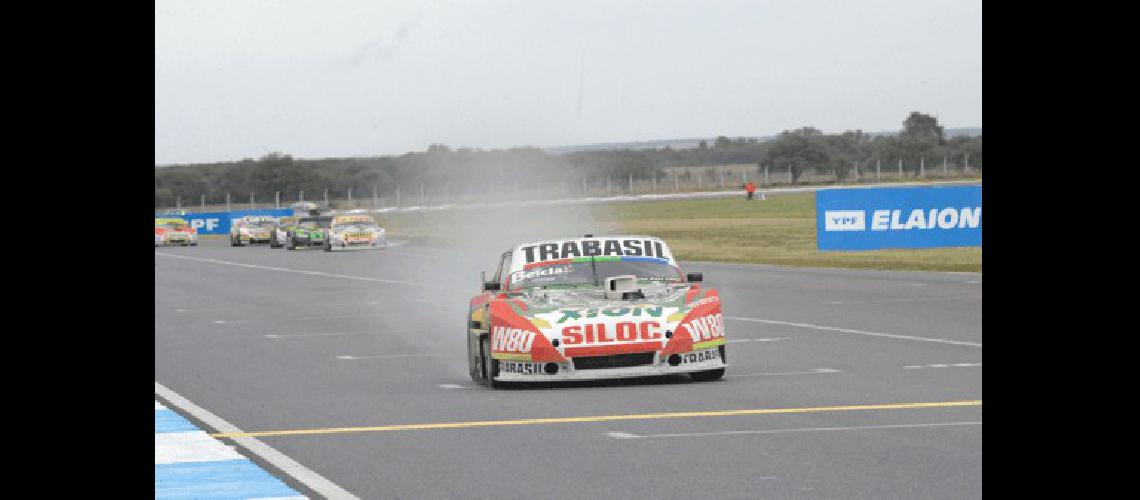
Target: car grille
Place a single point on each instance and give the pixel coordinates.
(616, 361)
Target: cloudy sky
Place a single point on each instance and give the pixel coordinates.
(237, 79)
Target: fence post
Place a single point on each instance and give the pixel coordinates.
(374, 204)
(277, 200)
(203, 203)
(608, 185)
(301, 197)
(251, 203)
(350, 196)
(397, 195)
(723, 186)
(630, 183)
(327, 199)
(676, 182)
(878, 169)
(791, 178)
(922, 165)
(228, 208)
(178, 203)
(700, 180)
(901, 169)
(966, 165)
(945, 172)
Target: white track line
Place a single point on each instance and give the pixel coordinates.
(298, 271)
(626, 435)
(942, 365)
(302, 474)
(780, 374)
(857, 332)
(306, 335)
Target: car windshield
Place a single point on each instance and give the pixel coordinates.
(317, 222)
(593, 271)
(361, 225)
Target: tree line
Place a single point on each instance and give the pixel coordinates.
(800, 150)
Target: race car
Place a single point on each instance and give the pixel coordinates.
(308, 232)
(280, 231)
(352, 232)
(174, 232)
(594, 308)
(251, 230)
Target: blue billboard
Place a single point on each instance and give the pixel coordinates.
(219, 222)
(912, 217)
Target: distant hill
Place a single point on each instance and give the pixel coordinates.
(693, 143)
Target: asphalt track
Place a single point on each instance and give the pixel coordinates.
(329, 355)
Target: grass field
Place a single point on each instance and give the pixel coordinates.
(778, 231)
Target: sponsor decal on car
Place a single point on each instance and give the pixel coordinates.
(592, 248)
(700, 356)
(521, 368)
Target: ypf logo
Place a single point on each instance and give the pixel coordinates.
(844, 220)
(210, 224)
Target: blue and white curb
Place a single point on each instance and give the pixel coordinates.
(188, 463)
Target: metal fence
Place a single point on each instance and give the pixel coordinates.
(674, 180)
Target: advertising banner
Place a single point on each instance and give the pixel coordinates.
(219, 222)
(911, 217)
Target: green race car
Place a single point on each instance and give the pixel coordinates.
(308, 232)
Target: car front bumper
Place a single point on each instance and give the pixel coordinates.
(593, 368)
(338, 246)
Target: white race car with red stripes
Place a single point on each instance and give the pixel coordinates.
(594, 308)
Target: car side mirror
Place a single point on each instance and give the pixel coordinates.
(491, 286)
(695, 277)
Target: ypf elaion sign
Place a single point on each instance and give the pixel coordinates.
(912, 217)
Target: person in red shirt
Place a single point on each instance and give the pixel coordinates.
(751, 189)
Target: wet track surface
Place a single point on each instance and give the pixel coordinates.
(272, 340)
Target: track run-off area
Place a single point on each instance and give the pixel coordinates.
(345, 375)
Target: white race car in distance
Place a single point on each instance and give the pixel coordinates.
(355, 232)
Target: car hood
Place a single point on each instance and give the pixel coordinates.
(673, 317)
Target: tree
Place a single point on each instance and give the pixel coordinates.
(921, 137)
(799, 150)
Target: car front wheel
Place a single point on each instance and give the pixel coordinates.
(490, 365)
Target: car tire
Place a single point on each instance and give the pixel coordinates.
(474, 368)
(490, 365)
(708, 375)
